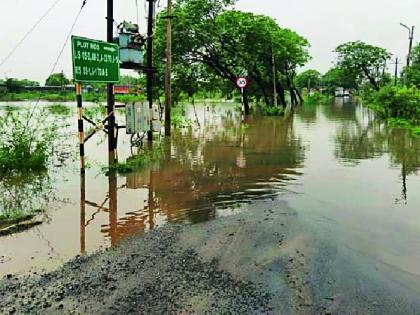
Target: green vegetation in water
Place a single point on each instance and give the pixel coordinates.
(137, 162)
(400, 106)
(316, 99)
(59, 109)
(25, 145)
(178, 119)
(272, 111)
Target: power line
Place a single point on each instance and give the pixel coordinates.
(58, 58)
(29, 32)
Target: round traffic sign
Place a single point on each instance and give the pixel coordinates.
(242, 82)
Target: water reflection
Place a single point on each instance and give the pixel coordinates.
(363, 137)
(25, 193)
(200, 172)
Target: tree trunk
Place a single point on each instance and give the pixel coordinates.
(299, 96)
(282, 96)
(246, 103)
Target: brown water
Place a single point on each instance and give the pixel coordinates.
(341, 169)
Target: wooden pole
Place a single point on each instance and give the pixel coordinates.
(168, 83)
(80, 127)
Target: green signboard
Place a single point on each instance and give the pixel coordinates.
(95, 61)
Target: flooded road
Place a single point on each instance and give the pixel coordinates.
(346, 175)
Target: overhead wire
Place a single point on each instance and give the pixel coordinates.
(29, 32)
(58, 59)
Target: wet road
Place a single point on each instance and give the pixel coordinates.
(348, 178)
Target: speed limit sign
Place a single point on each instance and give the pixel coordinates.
(242, 82)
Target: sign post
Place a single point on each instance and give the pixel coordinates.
(242, 83)
(94, 61)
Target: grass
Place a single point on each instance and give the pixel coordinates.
(316, 99)
(273, 111)
(65, 97)
(178, 119)
(59, 109)
(137, 162)
(25, 146)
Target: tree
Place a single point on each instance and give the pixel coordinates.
(57, 79)
(338, 77)
(412, 73)
(310, 79)
(211, 41)
(16, 85)
(366, 61)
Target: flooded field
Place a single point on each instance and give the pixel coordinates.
(347, 176)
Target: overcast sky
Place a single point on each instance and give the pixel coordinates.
(325, 23)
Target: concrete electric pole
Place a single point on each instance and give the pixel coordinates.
(168, 73)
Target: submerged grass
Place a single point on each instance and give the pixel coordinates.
(137, 162)
(59, 109)
(25, 145)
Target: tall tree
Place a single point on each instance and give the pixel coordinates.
(227, 43)
(57, 79)
(367, 61)
(310, 79)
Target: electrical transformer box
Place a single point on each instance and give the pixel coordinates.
(137, 118)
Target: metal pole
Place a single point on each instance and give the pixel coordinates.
(110, 88)
(80, 128)
(150, 65)
(168, 85)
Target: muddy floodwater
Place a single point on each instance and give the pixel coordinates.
(346, 175)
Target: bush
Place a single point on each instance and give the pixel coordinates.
(273, 111)
(25, 146)
(397, 102)
(317, 98)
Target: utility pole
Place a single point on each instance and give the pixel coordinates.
(396, 63)
(150, 64)
(168, 83)
(273, 61)
(396, 71)
(410, 45)
(110, 88)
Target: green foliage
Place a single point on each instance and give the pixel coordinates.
(178, 119)
(213, 45)
(366, 61)
(15, 85)
(137, 162)
(317, 98)
(339, 77)
(273, 111)
(412, 74)
(59, 109)
(308, 79)
(398, 103)
(23, 146)
(57, 79)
